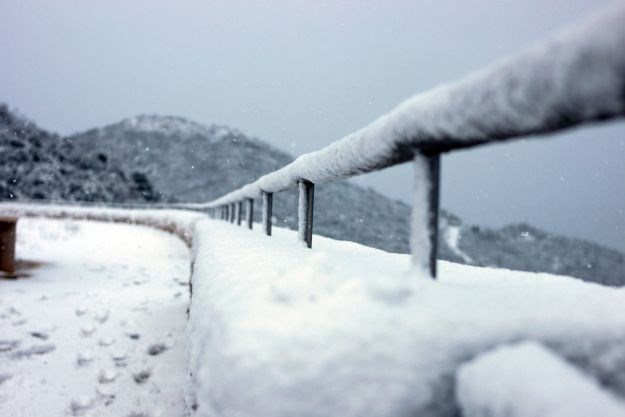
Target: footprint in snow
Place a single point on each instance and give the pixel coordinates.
(81, 405)
(119, 358)
(101, 317)
(4, 378)
(87, 330)
(141, 308)
(106, 393)
(107, 376)
(32, 351)
(84, 358)
(96, 268)
(80, 311)
(13, 311)
(106, 341)
(142, 376)
(7, 345)
(134, 335)
(157, 349)
(138, 414)
(40, 335)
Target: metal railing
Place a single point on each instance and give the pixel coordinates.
(576, 77)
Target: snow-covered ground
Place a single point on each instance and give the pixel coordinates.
(528, 380)
(95, 325)
(344, 330)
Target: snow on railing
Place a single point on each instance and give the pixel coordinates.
(578, 76)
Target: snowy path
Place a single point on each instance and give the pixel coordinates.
(97, 329)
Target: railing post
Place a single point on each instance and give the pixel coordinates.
(267, 212)
(7, 244)
(424, 233)
(249, 211)
(239, 212)
(227, 212)
(232, 212)
(305, 211)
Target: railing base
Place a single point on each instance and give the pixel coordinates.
(7, 245)
(305, 212)
(425, 207)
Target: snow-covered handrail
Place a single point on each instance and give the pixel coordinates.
(578, 76)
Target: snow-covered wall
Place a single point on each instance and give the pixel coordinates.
(578, 76)
(278, 330)
(178, 222)
(527, 380)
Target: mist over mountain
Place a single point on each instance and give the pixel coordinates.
(167, 158)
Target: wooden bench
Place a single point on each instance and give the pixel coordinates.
(7, 244)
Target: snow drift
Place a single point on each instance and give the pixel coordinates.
(343, 330)
(527, 380)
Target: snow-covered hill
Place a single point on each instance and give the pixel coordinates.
(38, 165)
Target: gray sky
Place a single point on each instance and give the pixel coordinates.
(301, 74)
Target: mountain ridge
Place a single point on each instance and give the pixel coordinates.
(39, 165)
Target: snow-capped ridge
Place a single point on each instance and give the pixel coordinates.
(180, 127)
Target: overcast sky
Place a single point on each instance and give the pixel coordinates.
(302, 74)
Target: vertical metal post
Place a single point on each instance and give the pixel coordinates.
(239, 212)
(267, 212)
(305, 211)
(7, 244)
(232, 212)
(425, 206)
(249, 211)
(227, 212)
